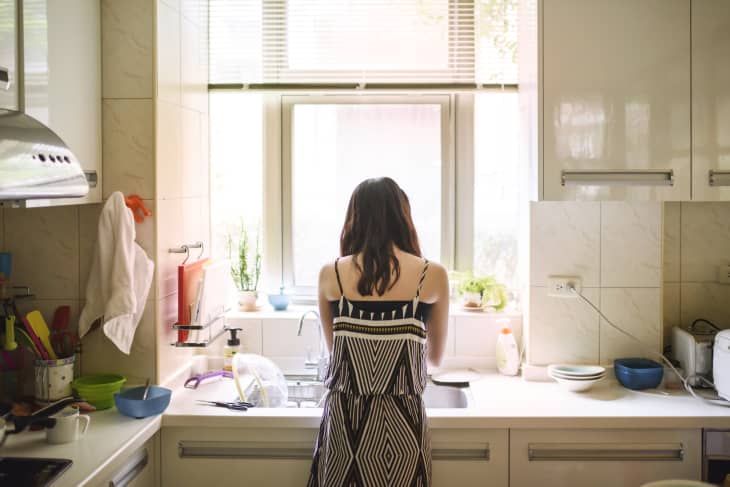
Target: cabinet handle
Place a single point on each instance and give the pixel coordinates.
(605, 452)
(4, 78)
(92, 178)
(719, 178)
(479, 454)
(257, 450)
(618, 178)
(129, 472)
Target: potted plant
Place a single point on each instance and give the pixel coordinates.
(482, 293)
(245, 268)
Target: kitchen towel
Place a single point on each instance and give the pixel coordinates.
(119, 279)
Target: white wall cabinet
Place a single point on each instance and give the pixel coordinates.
(141, 468)
(603, 458)
(615, 99)
(8, 55)
(62, 61)
(711, 100)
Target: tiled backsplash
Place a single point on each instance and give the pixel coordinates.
(696, 241)
(616, 250)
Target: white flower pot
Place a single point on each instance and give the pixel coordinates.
(247, 300)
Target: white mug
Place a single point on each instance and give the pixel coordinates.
(66, 427)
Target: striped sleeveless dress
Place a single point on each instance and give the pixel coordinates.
(374, 431)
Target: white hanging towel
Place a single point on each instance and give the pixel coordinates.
(120, 277)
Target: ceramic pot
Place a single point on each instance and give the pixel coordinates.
(247, 300)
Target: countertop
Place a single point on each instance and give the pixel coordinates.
(495, 401)
(110, 436)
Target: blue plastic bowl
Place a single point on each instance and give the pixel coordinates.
(279, 301)
(130, 402)
(638, 373)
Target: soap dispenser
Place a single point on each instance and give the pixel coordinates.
(232, 348)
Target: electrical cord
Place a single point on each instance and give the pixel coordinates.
(685, 380)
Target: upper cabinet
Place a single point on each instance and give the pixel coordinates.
(62, 68)
(8, 56)
(711, 99)
(616, 99)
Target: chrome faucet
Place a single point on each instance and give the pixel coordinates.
(320, 363)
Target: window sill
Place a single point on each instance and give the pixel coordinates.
(296, 311)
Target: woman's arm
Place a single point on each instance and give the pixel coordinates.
(438, 323)
(325, 311)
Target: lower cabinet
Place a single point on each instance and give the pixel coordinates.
(141, 468)
(283, 457)
(603, 458)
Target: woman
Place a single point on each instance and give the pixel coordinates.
(384, 311)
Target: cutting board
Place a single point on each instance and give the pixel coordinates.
(189, 278)
(214, 297)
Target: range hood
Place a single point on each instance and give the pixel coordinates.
(35, 163)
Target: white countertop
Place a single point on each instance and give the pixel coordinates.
(110, 435)
(496, 402)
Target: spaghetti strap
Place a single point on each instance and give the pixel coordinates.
(420, 285)
(339, 283)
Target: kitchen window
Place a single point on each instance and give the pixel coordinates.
(308, 102)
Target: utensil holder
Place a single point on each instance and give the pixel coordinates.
(53, 379)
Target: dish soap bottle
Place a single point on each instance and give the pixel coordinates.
(508, 356)
(231, 349)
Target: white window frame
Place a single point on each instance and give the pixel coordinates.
(457, 177)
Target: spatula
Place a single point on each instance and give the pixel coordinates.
(40, 327)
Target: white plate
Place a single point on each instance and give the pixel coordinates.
(565, 377)
(577, 385)
(576, 370)
(456, 376)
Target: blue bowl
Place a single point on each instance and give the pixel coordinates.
(279, 301)
(130, 402)
(638, 373)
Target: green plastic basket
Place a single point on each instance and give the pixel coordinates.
(98, 390)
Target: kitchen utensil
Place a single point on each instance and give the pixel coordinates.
(577, 385)
(64, 341)
(235, 406)
(40, 328)
(456, 378)
(194, 382)
(146, 390)
(99, 390)
(65, 426)
(721, 364)
(694, 353)
(42, 416)
(132, 403)
(25, 341)
(188, 284)
(42, 352)
(638, 373)
(53, 379)
(10, 343)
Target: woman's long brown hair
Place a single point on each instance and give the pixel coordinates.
(378, 218)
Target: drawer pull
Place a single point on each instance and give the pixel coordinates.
(131, 469)
(605, 452)
(618, 178)
(477, 454)
(719, 178)
(258, 450)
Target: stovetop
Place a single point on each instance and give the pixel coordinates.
(31, 472)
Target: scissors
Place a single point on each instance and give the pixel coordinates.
(235, 406)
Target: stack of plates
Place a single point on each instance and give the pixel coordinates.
(576, 378)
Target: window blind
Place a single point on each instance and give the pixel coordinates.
(363, 42)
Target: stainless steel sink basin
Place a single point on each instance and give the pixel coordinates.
(305, 392)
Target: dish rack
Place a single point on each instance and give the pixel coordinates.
(206, 334)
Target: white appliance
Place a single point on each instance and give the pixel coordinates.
(694, 353)
(721, 364)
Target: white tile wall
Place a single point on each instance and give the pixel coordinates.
(705, 240)
(672, 229)
(616, 250)
(168, 53)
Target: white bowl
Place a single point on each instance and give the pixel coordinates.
(576, 385)
(576, 370)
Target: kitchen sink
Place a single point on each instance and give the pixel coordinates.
(306, 392)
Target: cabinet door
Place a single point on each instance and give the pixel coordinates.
(711, 100)
(8, 55)
(603, 458)
(139, 469)
(469, 458)
(62, 51)
(616, 99)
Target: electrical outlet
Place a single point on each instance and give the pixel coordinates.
(723, 274)
(560, 286)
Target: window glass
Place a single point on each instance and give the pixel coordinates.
(335, 147)
(496, 185)
(236, 151)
